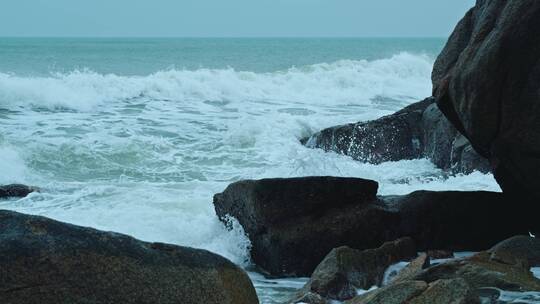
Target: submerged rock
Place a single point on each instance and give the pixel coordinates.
(344, 270)
(417, 131)
(16, 190)
(45, 261)
(486, 82)
(294, 223)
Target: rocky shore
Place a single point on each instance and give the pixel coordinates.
(484, 115)
(45, 261)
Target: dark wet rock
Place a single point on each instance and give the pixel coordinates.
(458, 221)
(417, 131)
(481, 271)
(517, 248)
(414, 268)
(398, 293)
(16, 190)
(440, 254)
(452, 291)
(45, 261)
(294, 223)
(308, 298)
(344, 270)
(486, 83)
(390, 138)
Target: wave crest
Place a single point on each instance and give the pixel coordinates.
(342, 82)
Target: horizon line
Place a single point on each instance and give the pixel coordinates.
(227, 37)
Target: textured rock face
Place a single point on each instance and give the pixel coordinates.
(344, 270)
(398, 293)
(482, 271)
(453, 291)
(477, 279)
(486, 82)
(294, 223)
(519, 247)
(418, 131)
(390, 138)
(16, 190)
(45, 261)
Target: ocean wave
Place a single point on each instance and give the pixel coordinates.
(342, 82)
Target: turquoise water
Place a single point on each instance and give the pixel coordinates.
(41, 56)
(136, 135)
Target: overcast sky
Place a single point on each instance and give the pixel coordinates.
(231, 18)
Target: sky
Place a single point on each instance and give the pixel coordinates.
(231, 18)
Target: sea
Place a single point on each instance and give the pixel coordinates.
(136, 135)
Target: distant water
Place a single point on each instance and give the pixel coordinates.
(136, 135)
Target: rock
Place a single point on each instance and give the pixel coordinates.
(417, 131)
(308, 298)
(440, 254)
(414, 268)
(294, 223)
(519, 247)
(398, 293)
(344, 270)
(486, 83)
(16, 190)
(458, 221)
(453, 291)
(390, 138)
(46, 261)
(481, 271)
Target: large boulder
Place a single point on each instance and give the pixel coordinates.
(418, 131)
(45, 261)
(486, 83)
(16, 190)
(294, 223)
(344, 270)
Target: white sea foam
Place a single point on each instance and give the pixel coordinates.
(340, 83)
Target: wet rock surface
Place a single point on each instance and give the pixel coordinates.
(16, 190)
(344, 270)
(45, 261)
(417, 131)
(486, 82)
(294, 223)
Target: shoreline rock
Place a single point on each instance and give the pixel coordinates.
(16, 190)
(344, 270)
(485, 81)
(47, 261)
(419, 130)
(294, 223)
(471, 280)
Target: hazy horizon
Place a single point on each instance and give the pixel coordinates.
(233, 19)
